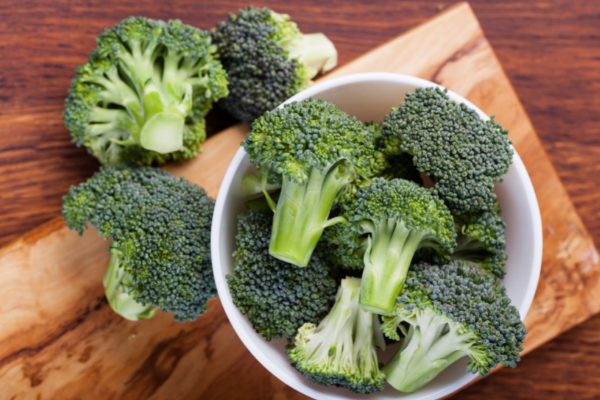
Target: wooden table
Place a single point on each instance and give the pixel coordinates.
(550, 50)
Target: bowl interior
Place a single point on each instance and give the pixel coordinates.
(370, 97)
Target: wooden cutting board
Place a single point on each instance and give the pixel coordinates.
(59, 338)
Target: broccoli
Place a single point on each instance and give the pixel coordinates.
(252, 184)
(463, 154)
(452, 311)
(160, 231)
(396, 218)
(267, 60)
(399, 166)
(481, 240)
(346, 247)
(341, 350)
(313, 150)
(277, 298)
(144, 93)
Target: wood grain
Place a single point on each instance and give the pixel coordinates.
(39, 359)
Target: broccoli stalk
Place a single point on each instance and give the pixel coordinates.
(398, 217)
(118, 285)
(453, 311)
(432, 343)
(314, 51)
(252, 184)
(314, 151)
(388, 256)
(341, 350)
(303, 212)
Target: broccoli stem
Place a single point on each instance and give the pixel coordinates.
(302, 211)
(117, 283)
(334, 343)
(315, 51)
(387, 260)
(433, 342)
(252, 184)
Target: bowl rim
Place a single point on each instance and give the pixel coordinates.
(221, 283)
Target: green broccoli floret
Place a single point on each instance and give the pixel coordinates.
(397, 218)
(160, 231)
(463, 154)
(267, 60)
(341, 350)
(453, 311)
(480, 238)
(313, 150)
(144, 93)
(277, 298)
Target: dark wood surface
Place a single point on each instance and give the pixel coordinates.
(549, 49)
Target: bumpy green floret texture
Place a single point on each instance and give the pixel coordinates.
(406, 202)
(340, 351)
(480, 238)
(160, 230)
(463, 154)
(139, 68)
(259, 70)
(289, 141)
(471, 314)
(278, 298)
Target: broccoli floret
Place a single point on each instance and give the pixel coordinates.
(397, 218)
(277, 298)
(480, 238)
(267, 60)
(313, 150)
(144, 93)
(341, 350)
(160, 231)
(453, 311)
(463, 154)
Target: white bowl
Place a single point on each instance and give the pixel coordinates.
(370, 97)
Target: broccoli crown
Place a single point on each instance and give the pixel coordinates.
(289, 141)
(341, 350)
(468, 313)
(405, 202)
(262, 76)
(277, 297)
(144, 93)
(449, 142)
(481, 239)
(160, 231)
